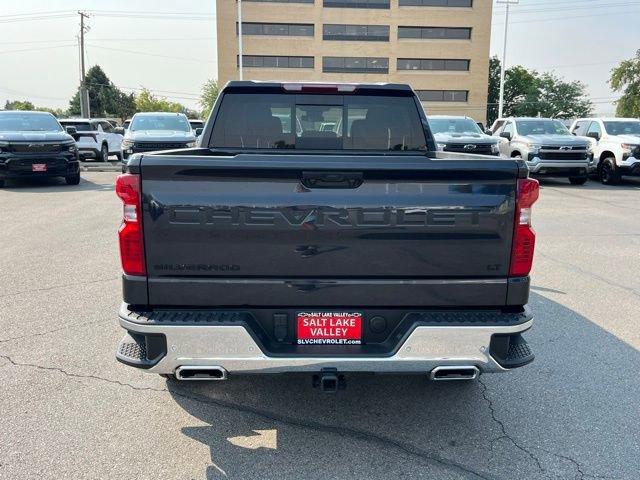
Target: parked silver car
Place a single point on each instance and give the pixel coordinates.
(547, 146)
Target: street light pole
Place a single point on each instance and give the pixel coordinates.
(504, 53)
(240, 38)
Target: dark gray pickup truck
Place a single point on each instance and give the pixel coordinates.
(317, 230)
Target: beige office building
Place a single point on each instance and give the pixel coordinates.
(439, 47)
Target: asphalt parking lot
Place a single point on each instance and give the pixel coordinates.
(69, 410)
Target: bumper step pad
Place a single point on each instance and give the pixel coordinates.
(142, 351)
(511, 351)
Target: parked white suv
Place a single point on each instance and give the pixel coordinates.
(615, 144)
(96, 138)
(547, 147)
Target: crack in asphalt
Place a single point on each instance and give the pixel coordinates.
(370, 437)
(503, 428)
(54, 287)
(70, 326)
(587, 273)
(581, 474)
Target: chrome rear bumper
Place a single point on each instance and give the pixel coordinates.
(232, 348)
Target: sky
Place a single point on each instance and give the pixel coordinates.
(169, 46)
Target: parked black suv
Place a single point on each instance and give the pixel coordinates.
(34, 144)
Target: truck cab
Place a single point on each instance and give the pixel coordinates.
(615, 144)
(155, 131)
(547, 147)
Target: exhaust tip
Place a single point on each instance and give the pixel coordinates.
(202, 373)
(448, 373)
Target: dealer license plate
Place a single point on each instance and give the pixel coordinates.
(39, 167)
(329, 328)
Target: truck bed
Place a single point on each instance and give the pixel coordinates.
(326, 230)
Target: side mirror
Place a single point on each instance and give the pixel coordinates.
(199, 131)
(71, 130)
(119, 130)
(488, 132)
(594, 135)
(506, 135)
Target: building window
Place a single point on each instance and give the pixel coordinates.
(367, 33)
(438, 33)
(280, 1)
(277, 29)
(273, 61)
(357, 3)
(436, 3)
(443, 95)
(433, 64)
(355, 64)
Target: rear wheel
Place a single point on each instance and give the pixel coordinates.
(104, 153)
(609, 174)
(578, 180)
(73, 179)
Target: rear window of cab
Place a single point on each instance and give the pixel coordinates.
(318, 122)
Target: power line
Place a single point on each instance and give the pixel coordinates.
(151, 54)
(28, 95)
(31, 19)
(564, 18)
(37, 48)
(561, 8)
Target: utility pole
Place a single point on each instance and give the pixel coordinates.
(240, 38)
(507, 3)
(84, 92)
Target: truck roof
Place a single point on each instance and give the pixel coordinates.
(27, 112)
(450, 117)
(147, 114)
(609, 119)
(84, 120)
(341, 87)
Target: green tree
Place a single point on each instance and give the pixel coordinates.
(19, 105)
(494, 90)
(521, 92)
(210, 92)
(148, 102)
(558, 98)
(27, 105)
(625, 78)
(528, 93)
(105, 99)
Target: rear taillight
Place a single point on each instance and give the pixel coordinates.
(130, 233)
(524, 238)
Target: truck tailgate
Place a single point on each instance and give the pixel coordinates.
(294, 230)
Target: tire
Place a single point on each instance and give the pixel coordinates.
(609, 173)
(120, 156)
(168, 376)
(578, 180)
(73, 179)
(104, 153)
